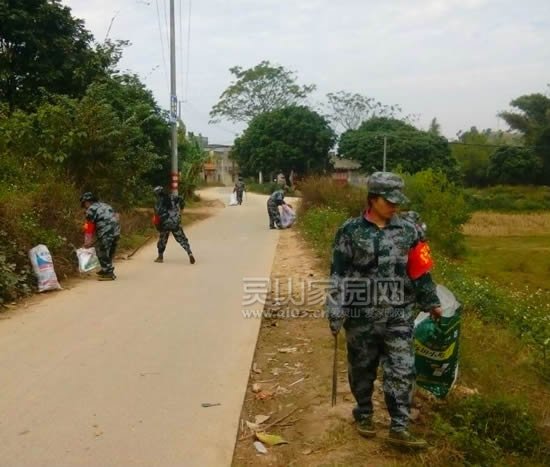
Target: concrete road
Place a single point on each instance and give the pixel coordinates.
(114, 373)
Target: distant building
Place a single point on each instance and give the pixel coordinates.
(345, 170)
(220, 168)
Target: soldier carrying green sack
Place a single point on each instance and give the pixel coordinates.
(380, 270)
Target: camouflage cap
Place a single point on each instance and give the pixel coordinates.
(388, 185)
(88, 196)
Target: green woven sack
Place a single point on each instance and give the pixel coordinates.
(436, 346)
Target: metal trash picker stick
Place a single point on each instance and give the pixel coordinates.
(335, 371)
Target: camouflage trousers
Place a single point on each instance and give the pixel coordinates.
(178, 235)
(239, 194)
(105, 248)
(274, 215)
(388, 342)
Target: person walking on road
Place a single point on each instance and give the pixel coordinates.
(167, 220)
(239, 190)
(380, 269)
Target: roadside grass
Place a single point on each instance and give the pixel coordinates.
(490, 224)
(509, 198)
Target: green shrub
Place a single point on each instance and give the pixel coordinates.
(442, 206)
(440, 203)
(323, 191)
(486, 429)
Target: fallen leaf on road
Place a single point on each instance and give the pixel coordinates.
(270, 440)
(252, 426)
(256, 387)
(255, 368)
(264, 395)
(259, 419)
(287, 349)
(260, 447)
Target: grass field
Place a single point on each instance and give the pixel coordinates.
(511, 249)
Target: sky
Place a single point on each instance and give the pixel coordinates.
(461, 61)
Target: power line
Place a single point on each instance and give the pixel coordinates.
(188, 50)
(485, 145)
(110, 26)
(167, 30)
(181, 47)
(161, 42)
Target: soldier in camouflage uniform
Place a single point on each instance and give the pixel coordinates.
(168, 212)
(103, 221)
(239, 190)
(276, 199)
(372, 297)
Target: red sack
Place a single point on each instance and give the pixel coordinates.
(420, 260)
(156, 219)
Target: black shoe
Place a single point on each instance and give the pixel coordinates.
(272, 227)
(159, 259)
(366, 427)
(192, 259)
(101, 272)
(107, 277)
(406, 439)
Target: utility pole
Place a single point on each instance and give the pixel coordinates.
(385, 145)
(173, 100)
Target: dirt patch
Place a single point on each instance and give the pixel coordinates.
(292, 377)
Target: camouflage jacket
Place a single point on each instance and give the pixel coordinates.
(239, 186)
(369, 269)
(105, 218)
(277, 198)
(168, 208)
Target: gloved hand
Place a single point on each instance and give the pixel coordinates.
(335, 325)
(436, 313)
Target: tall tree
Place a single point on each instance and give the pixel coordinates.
(348, 110)
(294, 138)
(43, 49)
(472, 151)
(256, 90)
(532, 120)
(435, 127)
(514, 166)
(104, 141)
(407, 147)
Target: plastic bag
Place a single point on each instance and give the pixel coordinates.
(436, 346)
(87, 259)
(288, 216)
(233, 199)
(42, 265)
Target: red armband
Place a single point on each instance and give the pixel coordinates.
(156, 219)
(89, 228)
(420, 260)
